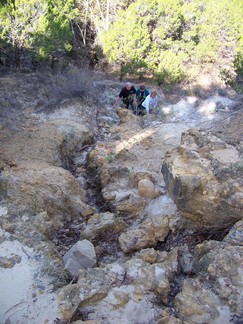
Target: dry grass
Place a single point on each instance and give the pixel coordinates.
(73, 83)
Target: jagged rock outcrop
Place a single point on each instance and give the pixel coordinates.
(123, 292)
(39, 179)
(155, 228)
(203, 177)
(100, 224)
(216, 293)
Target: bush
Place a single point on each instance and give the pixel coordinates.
(73, 83)
(169, 70)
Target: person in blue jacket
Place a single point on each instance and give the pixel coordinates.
(141, 94)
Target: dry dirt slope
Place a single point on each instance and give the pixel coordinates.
(23, 105)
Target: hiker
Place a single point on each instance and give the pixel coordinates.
(150, 102)
(141, 94)
(128, 95)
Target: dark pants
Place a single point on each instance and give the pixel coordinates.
(129, 102)
(141, 111)
(140, 99)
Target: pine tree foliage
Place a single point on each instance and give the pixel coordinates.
(175, 39)
(38, 26)
(57, 35)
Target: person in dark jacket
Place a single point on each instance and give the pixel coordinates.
(128, 95)
(141, 94)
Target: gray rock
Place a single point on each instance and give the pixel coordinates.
(81, 255)
(235, 236)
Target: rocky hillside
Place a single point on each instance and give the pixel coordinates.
(107, 217)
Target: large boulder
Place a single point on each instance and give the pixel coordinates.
(161, 218)
(203, 177)
(196, 303)
(222, 265)
(50, 189)
(215, 295)
(38, 177)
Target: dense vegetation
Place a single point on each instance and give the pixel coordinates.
(172, 40)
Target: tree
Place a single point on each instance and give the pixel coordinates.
(167, 54)
(218, 33)
(56, 34)
(41, 27)
(97, 15)
(175, 39)
(128, 39)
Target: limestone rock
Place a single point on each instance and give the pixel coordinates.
(150, 231)
(94, 286)
(81, 255)
(48, 188)
(115, 273)
(69, 300)
(203, 178)
(138, 238)
(99, 223)
(133, 206)
(147, 189)
(196, 303)
(223, 264)
(148, 255)
(125, 115)
(167, 318)
(150, 277)
(235, 236)
(170, 262)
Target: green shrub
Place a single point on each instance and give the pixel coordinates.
(110, 157)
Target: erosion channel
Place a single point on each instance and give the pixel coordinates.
(107, 217)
